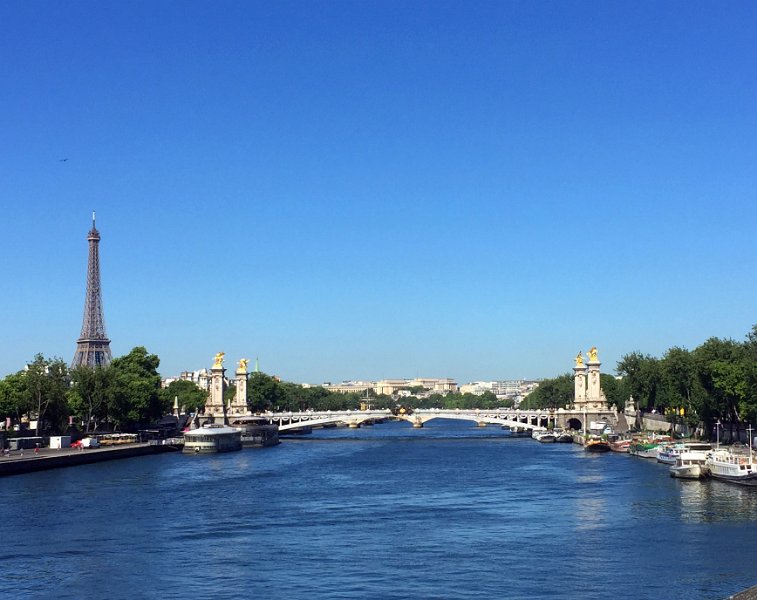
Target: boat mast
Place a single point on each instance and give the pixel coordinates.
(749, 441)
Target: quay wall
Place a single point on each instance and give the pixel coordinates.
(43, 462)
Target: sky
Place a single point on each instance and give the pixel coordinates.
(367, 189)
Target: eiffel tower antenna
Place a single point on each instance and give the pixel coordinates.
(93, 345)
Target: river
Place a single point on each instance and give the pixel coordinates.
(448, 511)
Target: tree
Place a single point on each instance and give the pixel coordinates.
(557, 392)
(263, 392)
(680, 384)
(614, 390)
(134, 397)
(88, 396)
(722, 370)
(191, 397)
(641, 378)
(46, 385)
(13, 397)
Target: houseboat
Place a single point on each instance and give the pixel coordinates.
(257, 432)
(212, 438)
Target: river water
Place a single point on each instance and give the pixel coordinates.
(449, 511)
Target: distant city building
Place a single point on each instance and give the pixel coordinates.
(347, 387)
(200, 378)
(391, 387)
(508, 389)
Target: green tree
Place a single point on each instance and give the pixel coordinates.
(88, 396)
(748, 406)
(722, 370)
(13, 397)
(191, 397)
(641, 378)
(263, 392)
(614, 390)
(680, 384)
(134, 397)
(557, 392)
(46, 386)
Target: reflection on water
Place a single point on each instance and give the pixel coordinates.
(591, 513)
(711, 501)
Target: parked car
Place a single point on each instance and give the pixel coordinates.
(90, 443)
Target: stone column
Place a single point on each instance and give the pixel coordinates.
(579, 376)
(215, 406)
(239, 404)
(593, 391)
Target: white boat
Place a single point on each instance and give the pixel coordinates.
(544, 436)
(210, 439)
(668, 453)
(690, 464)
(727, 466)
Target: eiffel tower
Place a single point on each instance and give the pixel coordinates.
(93, 346)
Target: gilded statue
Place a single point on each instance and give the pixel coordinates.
(243, 364)
(579, 360)
(219, 360)
(593, 354)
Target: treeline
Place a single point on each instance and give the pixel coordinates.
(127, 395)
(123, 396)
(717, 381)
(268, 393)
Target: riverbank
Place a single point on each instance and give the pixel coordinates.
(29, 461)
(750, 594)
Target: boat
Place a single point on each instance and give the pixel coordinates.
(647, 447)
(725, 465)
(596, 444)
(668, 453)
(257, 432)
(643, 449)
(564, 437)
(212, 438)
(689, 465)
(617, 443)
(620, 445)
(545, 437)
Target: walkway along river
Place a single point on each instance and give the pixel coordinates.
(448, 511)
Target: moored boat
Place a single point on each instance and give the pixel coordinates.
(725, 465)
(545, 437)
(564, 437)
(689, 465)
(210, 439)
(669, 453)
(256, 432)
(620, 445)
(643, 449)
(596, 444)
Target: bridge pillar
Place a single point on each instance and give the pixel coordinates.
(418, 424)
(481, 424)
(354, 425)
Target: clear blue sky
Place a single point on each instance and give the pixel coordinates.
(364, 189)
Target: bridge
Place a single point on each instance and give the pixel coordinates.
(537, 419)
(288, 421)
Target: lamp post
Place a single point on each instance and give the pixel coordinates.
(717, 434)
